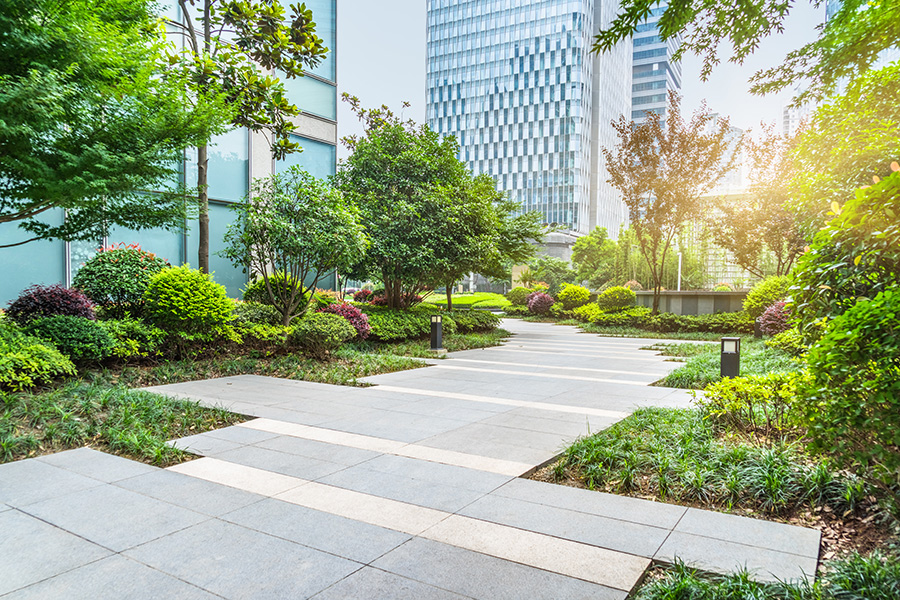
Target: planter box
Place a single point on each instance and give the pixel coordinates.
(694, 302)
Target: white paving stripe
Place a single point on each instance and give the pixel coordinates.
(574, 559)
(544, 375)
(564, 408)
(526, 366)
(642, 358)
(364, 442)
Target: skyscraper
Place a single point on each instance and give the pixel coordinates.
(654, 73)
(517, 85)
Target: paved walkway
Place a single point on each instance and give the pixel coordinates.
(406, 490)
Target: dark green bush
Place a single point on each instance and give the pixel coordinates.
(256, 312)
(117, 277)
(391, 325)
(638, 316)
(516, 311)
(133, 338)
(26, 361)
(766, 293)
(188, 303)
(852, 405)
(739, 322)
(616, 298)
(80, 339)
(256, 290)
(667, 323)
(572, 296)
(470, 321)
(319, 334)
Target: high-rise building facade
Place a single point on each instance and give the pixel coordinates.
(235, 159)
(516, 84)
(653, 72)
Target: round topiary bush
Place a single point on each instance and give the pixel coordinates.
(539, 303)
(82, 340)
(363, 295)
(255, 312)
(27, 360)
(616, 298)
(572, 296)
(256, 290)
(185, 301)
(774, 319)
(117, 277)
(518, 295)
(633, 285)
(318, 334)
(357, 319)
(765, 293)
(48, 300)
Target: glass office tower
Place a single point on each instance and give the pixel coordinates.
(516, 84)
(653, 72)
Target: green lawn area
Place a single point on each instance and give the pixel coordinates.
(476, 300)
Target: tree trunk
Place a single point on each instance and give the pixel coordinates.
(450, 296)
(203, 201)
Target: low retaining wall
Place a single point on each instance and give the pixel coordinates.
(694, 302)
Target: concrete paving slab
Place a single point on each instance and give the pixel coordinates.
(241, 435)
(199, 495)
(477, 575)
(330, 533)
(114, 517)
(204, 444)
(258, 481)
(236, 562)
(437, 473)
(25, 482)
(280, 462)
(97, 465)
(751, 532)
(375, 583)
(112, 578)
(340, 454)
(33, 550)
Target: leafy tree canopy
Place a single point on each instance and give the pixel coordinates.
(594, 257)
(89, 118)
(846, 47)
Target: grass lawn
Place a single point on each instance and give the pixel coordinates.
(478, 299)
(102, 410)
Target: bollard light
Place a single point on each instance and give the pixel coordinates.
(436, 337)
(757, 328)
(731, 357)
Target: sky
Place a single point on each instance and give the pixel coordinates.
(381, 60)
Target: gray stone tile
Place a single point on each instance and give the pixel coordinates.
(97, 465)
(485, 577)
(344, 455)
(303, 467)
(751, 532)
(404, 489)
(723, 556)
(437, 473)
(32, 551)
(472, 443)
(236, 562)
(323, 531)
(635, 510)
(563, 429)
(398, 431)
(623, 536)
(113, 517)
(375, 583)
(548, 442)
(28, 481)
(241, 435)
(113, 578)
(195, 494)
(204, 444)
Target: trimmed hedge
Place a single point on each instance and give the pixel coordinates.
(470, 321)
(572, 296)
(388, 325)
(518, 295)
(26, 361)
(616, 298)
(318, 334)
(80, 339)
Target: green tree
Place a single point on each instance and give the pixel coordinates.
(294, 228)
(848, 44)
(662, 170)
(89, 118)
(228, 43)
(553, 271)
(403, 178)
(594, 257)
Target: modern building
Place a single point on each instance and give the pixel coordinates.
(516, 84)
(235, 159)
(654, 73)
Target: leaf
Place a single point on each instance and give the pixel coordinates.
(857, 259)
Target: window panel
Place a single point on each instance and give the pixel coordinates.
(35, 262)
(312, 96)
(318, 158)
(229, 166)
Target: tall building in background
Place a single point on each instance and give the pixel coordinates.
(516, 84)
(235, 159)
(653, 72)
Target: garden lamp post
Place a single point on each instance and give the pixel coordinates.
(731, 357)
(436, 337)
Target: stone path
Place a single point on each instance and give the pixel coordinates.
(406, 490)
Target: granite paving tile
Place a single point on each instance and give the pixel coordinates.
(97, 465)
(375, 583)
(25, 482)
(199, 495)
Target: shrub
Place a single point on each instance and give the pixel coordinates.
(256, 290)
(765, 293)
(318, 334)
(638, 316)
(407, 300)
(80, 339)
(668, 323)
(26, 361)
(187, 302)
(134, 338)
(391, 325)
(263, 333)
(470, 321)
(633, 285)
(616, 298)
(49, 300)
(558, 311)
(117, 277)
(852, 404)
(539, 303)
(354, 316)
(774, 319)
(518, 295)
(756, 403)
(516, 311)
(572, 296)
(790, 341)
(256, 312)
(723, 287)
(587, 313)
(739, 322)
(363, 296)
